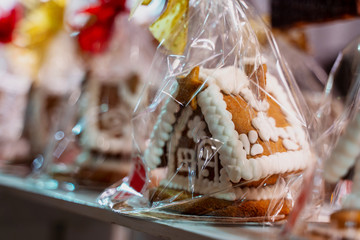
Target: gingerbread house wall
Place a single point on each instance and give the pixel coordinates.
(192, 153)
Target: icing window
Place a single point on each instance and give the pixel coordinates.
(208, 164)
(186, 159)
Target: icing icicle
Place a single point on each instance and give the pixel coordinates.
(345, 153)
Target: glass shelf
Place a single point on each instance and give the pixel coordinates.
(83, 202)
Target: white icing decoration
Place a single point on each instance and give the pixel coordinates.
(167, 115)
(278, 190)
(233, 80)
(196, 129)
(207, 157)
(282, 99)
(291, 133)
(253, 136)
(204, 172)
(229, 79)
(256, 149)
(186, 158)
(250, 98)
(175, 137)
(264, 127)
(245, 141)
(290, 145)
(117, 121)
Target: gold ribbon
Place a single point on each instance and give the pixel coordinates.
(171, 27)
(42, 21)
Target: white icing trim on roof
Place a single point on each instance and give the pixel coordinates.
(273, 86)
(161, 132)
(229, 79)
(232, 80)
(222, 128)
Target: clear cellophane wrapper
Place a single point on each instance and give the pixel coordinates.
(309, 75)
(92, 144)
(225, 137)
(337, 146)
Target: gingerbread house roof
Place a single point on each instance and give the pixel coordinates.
(257, 137)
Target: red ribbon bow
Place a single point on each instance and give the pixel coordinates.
(8, 22)
(94, 37)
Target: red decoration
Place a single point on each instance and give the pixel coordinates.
(95, 36)
(138, 178)
(135, 184)
(8, 22)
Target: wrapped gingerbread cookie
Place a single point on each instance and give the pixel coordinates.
(95, 147)
(45, 54)
(227, 129)
(60, 71)
(339, 215)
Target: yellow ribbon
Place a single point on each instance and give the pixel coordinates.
(42, 21)
(146, 2)
(171, 27)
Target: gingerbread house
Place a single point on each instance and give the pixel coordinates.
(59, 77)
(229, 133)
(113, 87)
(114, 84)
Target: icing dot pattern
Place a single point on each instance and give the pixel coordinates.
(256, 149)
(196, 129)
(253, 136)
